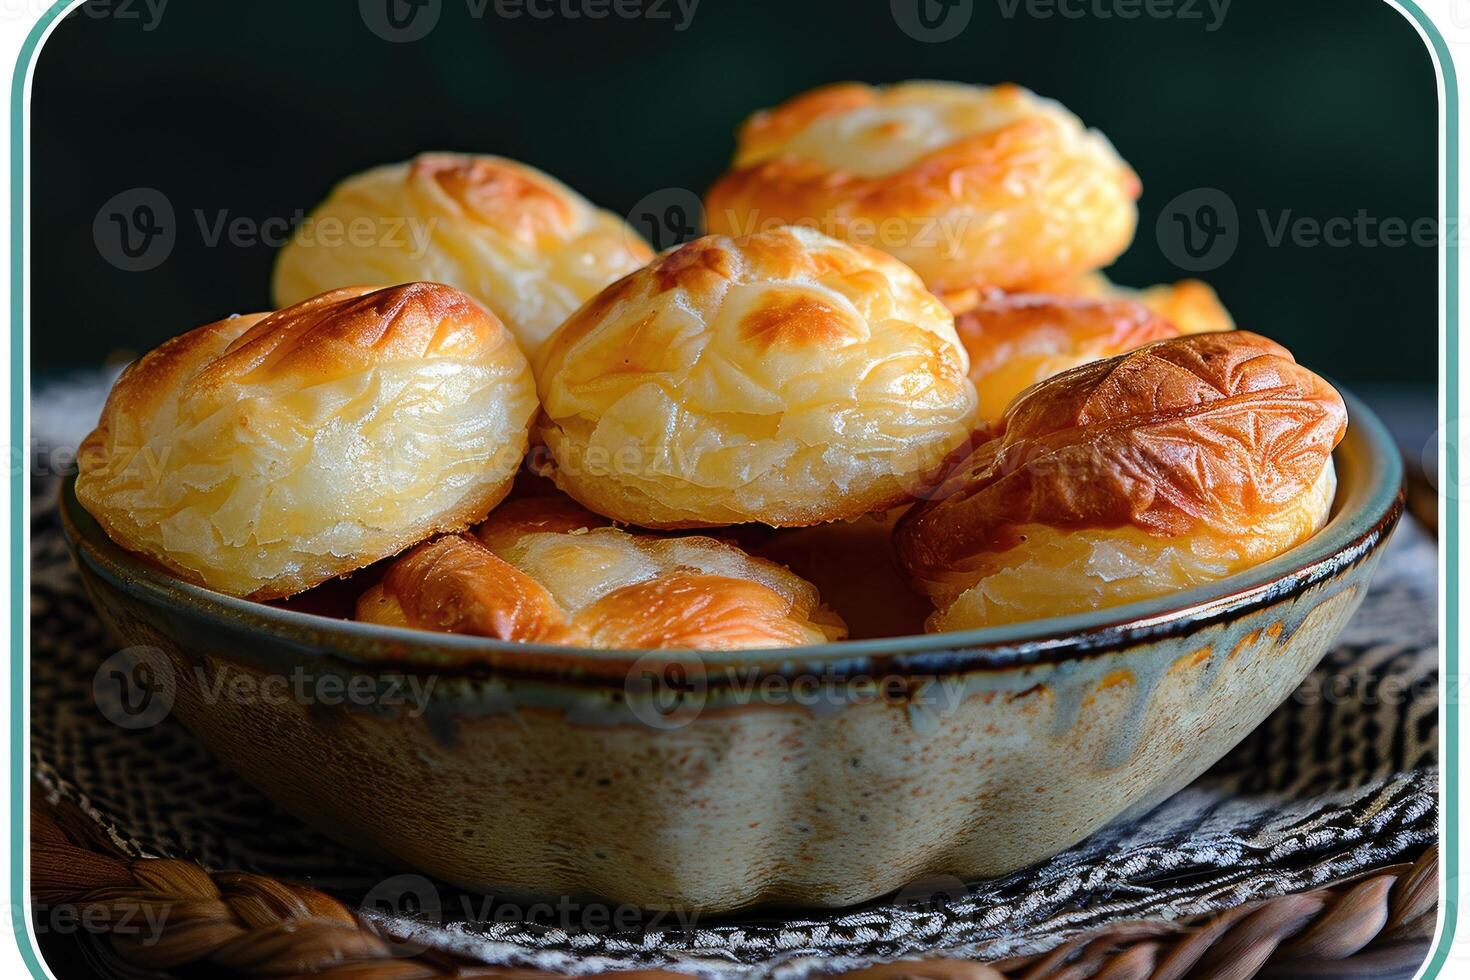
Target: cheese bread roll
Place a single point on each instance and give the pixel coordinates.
(783, 378)
(1154, 471)
(519, 241)
(971, 186)
(264, 454)
(544, 570)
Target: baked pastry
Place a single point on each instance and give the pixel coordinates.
(1017, 339)
(1174, 465)
(972, 187)
(516, 239)
(264, 454)
(544, 570)
(1189, 304)
(785, 378)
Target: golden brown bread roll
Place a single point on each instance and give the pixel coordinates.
(521, 242)
(544, 570)
(784, 378)
(264, 454)
(1017, 339)
(1124, 479)
(1189, 304)
(971, 186)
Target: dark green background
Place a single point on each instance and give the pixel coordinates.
(256, 109)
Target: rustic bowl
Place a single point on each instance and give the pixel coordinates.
(819, 776)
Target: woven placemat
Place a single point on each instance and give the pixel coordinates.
(1376, 925)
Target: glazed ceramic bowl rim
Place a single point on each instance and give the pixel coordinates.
(1369, 501)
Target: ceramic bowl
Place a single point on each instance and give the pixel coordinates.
(819, 776)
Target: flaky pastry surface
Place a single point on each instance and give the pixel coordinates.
(970, 186)
(264, 454)
(518, 240)
(545, 570)
(1017, 339)
(784, 378)
(1182, 461)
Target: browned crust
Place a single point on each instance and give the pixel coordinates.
(459, 584)
(454, 584)
(1010, 334)
(502, 193)
(1035, 324)
(529, 515)
(692, 610)
(1211, 430)
(351, 329)
(766, 184)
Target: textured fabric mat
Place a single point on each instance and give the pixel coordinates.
(1342, 778)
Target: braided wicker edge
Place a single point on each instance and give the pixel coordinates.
(250, 925)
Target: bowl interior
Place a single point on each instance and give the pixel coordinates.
(1368, 502)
